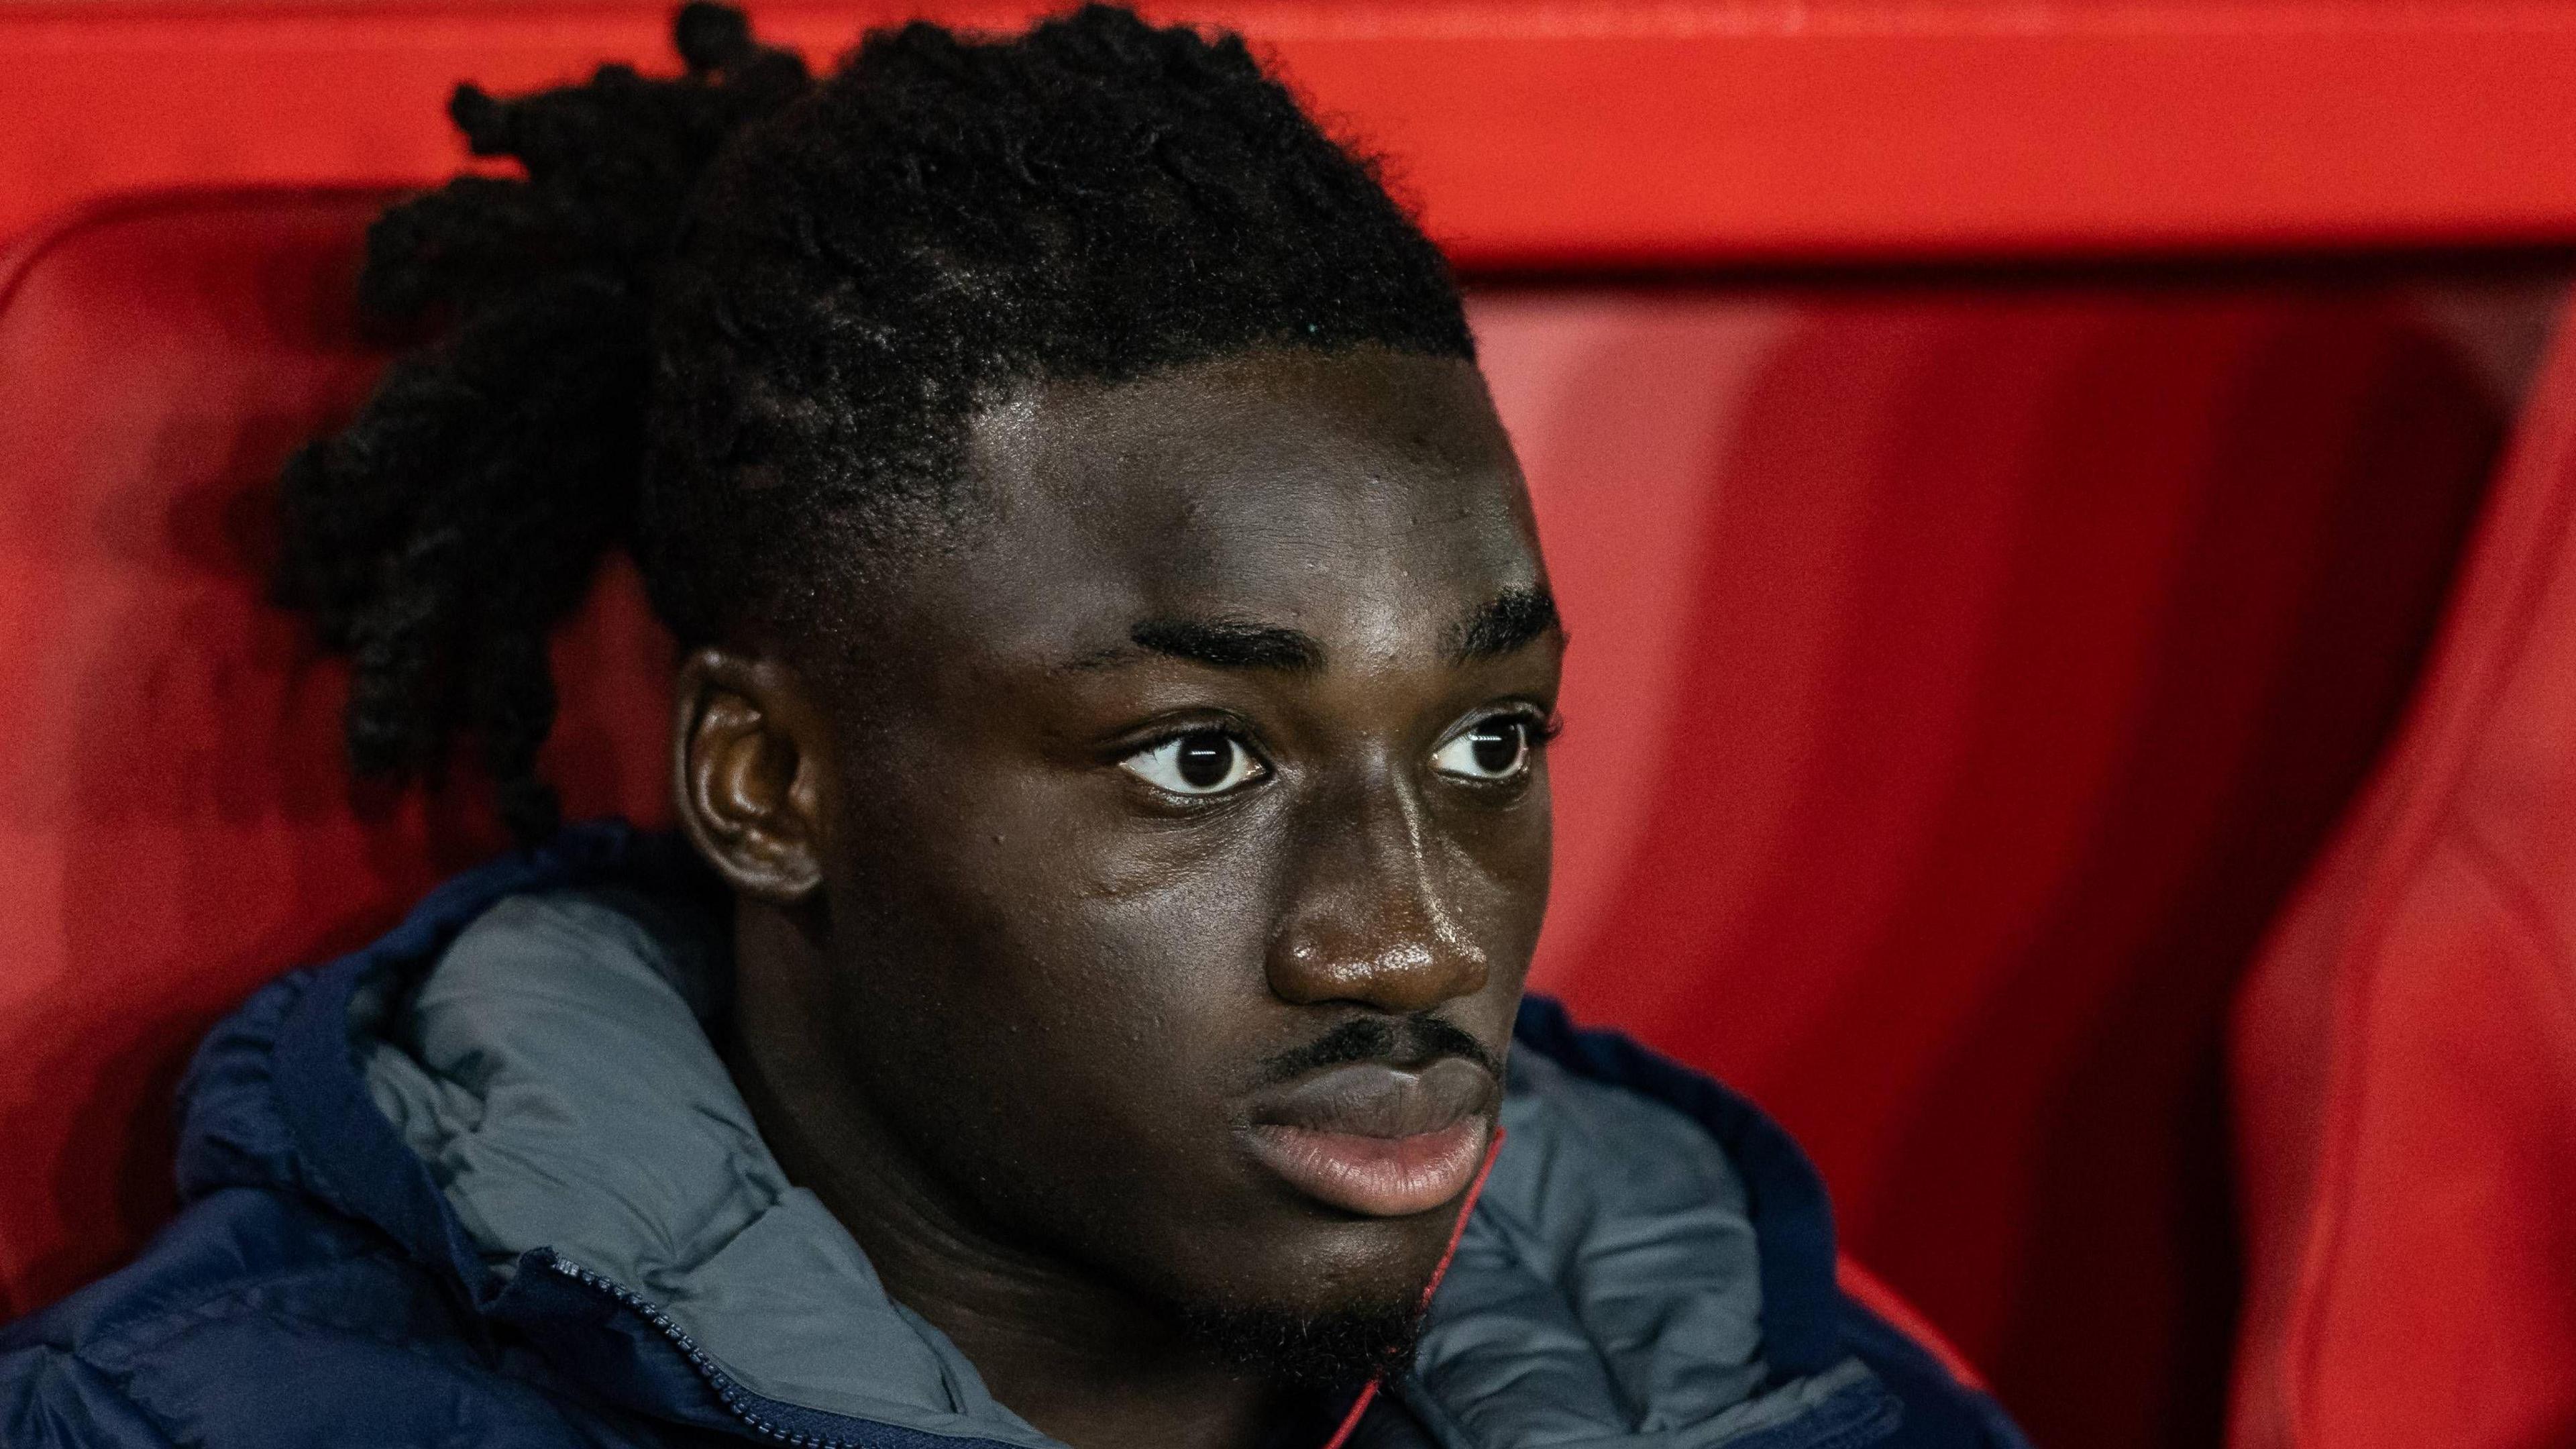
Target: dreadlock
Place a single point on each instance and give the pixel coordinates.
(741, 306)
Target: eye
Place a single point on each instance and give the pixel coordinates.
(1490, 749)
(1202, 762)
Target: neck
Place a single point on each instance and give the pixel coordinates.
(1085, 1361)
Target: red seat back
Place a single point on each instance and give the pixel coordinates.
(172, 803)
(1959, 678)
(2405, 1055)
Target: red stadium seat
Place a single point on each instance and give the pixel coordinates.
(1961, 677)
(172, 803)
(2405, 1054)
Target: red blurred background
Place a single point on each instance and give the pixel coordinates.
(2002, 464)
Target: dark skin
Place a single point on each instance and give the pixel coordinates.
(1007, 997)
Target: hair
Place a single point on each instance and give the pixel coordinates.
(736, 322)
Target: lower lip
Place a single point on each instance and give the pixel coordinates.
(1379, 1177)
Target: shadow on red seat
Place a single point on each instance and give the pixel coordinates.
(2405, 1054)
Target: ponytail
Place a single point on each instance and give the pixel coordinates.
(437, 539)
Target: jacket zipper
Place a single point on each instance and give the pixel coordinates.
(732, 1394)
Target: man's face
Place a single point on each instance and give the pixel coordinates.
(1190, 838)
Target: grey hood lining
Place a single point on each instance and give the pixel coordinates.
(552, 1071)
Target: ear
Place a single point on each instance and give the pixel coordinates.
(751, 762)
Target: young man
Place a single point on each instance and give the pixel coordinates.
(1085, 1008)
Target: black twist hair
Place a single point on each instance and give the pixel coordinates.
(737, 321)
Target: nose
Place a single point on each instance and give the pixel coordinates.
(1369, 920)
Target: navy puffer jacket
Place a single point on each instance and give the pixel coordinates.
(486, 1183)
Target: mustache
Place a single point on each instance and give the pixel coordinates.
(1421, 1037)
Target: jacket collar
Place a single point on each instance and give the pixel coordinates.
(276, 1100)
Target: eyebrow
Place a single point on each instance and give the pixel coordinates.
(1230, 644)
(1505, 624)
(1508, 622)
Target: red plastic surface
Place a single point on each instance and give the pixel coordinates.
(1959, 678)
(173, 812)
(1538, 133)
(2405, 1057)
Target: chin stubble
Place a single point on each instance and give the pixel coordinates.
(1326, 1349)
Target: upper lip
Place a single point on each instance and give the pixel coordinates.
(1375, 1099)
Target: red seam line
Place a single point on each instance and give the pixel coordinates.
(1457, 1230)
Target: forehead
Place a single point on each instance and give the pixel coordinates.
(1369, 499)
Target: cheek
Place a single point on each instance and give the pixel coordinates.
(1137, 956)
(1500, 884)
(1086, 992)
